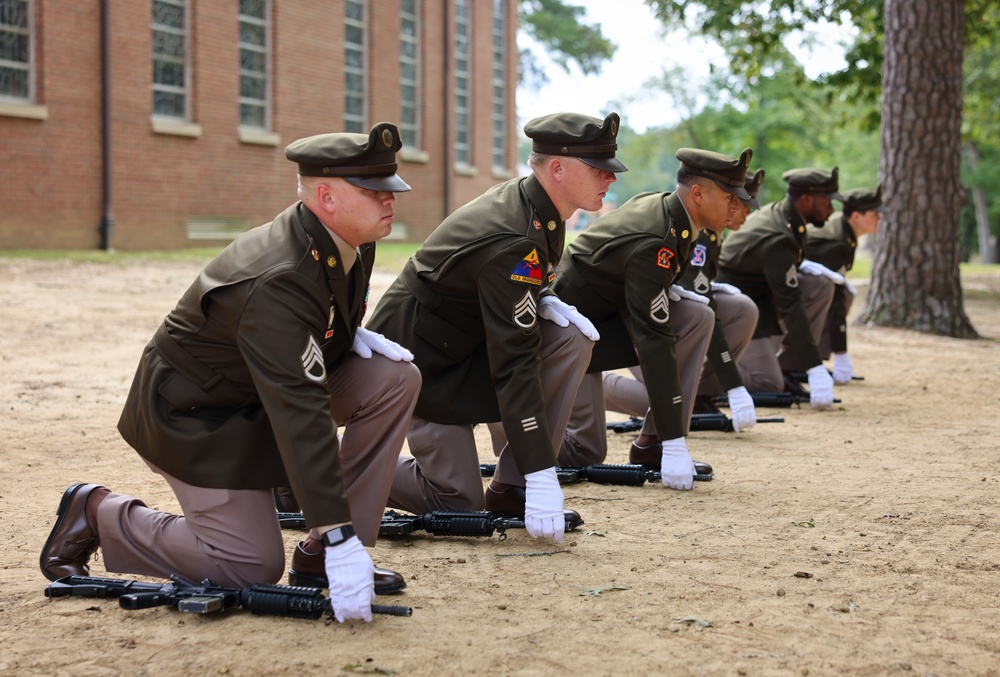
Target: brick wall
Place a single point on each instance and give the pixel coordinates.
(51, 192)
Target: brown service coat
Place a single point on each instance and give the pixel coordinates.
(231, 391)
(622, 266)
(466, 305)
(762, 259)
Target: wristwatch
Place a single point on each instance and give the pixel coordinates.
(337, 536)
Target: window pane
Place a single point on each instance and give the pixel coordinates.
(168, 14)
(353, 58)
(354, 82)
(254, 8)
(354, 10)
(168, 73)
(251, 60)
(168, 44)
(354, 35)
(251, 115)
(354, 105)
(168, 103)
(14, 82)
(14, 13)
(252, 34)
(253, 87)
(14, 47)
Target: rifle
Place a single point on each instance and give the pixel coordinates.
(721, 422)
(802, 377)
(456, 523)
(779, 400)
(621, 474)
(699, 422)
(437, 522)
(206, 597)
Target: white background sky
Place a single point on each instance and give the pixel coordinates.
(643, 53)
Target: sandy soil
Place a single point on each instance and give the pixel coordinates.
(861, 540)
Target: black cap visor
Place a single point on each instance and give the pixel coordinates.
(389, 183)
(739, 191)
(609, 164)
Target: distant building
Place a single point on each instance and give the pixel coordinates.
(149, 124)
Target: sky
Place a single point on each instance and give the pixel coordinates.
(643, 53)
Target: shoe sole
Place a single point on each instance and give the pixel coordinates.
(67, 498)
(305, 581)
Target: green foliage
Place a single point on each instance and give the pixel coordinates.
(556, 26)
(788, 120)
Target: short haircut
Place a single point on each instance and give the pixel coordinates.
(536, 159)
(686, 178)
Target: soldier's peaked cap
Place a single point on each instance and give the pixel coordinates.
(592, 140)
(813, 181)
(864, 199)
(365, 160)
(727, 172)
(753, 183)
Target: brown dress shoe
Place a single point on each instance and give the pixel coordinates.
(651, 458)
(308, 570)
(73, 539)
(511, 501)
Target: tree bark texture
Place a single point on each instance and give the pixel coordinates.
(915, 275)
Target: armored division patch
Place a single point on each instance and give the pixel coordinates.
(665, 257)
(699, 255)
(312, 361)
(528, 270)
(659, 308)
(792, 276)
(526, 311)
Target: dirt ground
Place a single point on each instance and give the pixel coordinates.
(861, 540)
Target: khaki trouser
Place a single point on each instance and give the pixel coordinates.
(738, 314)
(232, 536)
(766, 358)
(586, 435)
(443, 471)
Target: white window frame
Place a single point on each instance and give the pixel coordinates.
(354, 121)
(27, 66)
(184, 90)
(265, 52)
(410, 130)
(499, 90)
(463, 82)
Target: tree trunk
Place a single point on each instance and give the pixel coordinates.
(915, 275)
(987, 246)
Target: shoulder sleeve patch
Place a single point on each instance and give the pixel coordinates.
(529, 270)
(699, 255)
(665, 257)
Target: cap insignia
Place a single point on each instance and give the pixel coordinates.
(387, 138)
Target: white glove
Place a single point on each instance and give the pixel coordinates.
(820, 387)
(843, 371)
(812, 268)
(850, 287)
(553, 309)
(350, 573)
(676, 466)
(366, 342)
(543, 505)
(723, 288)
(682, 293)
(741, 407)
